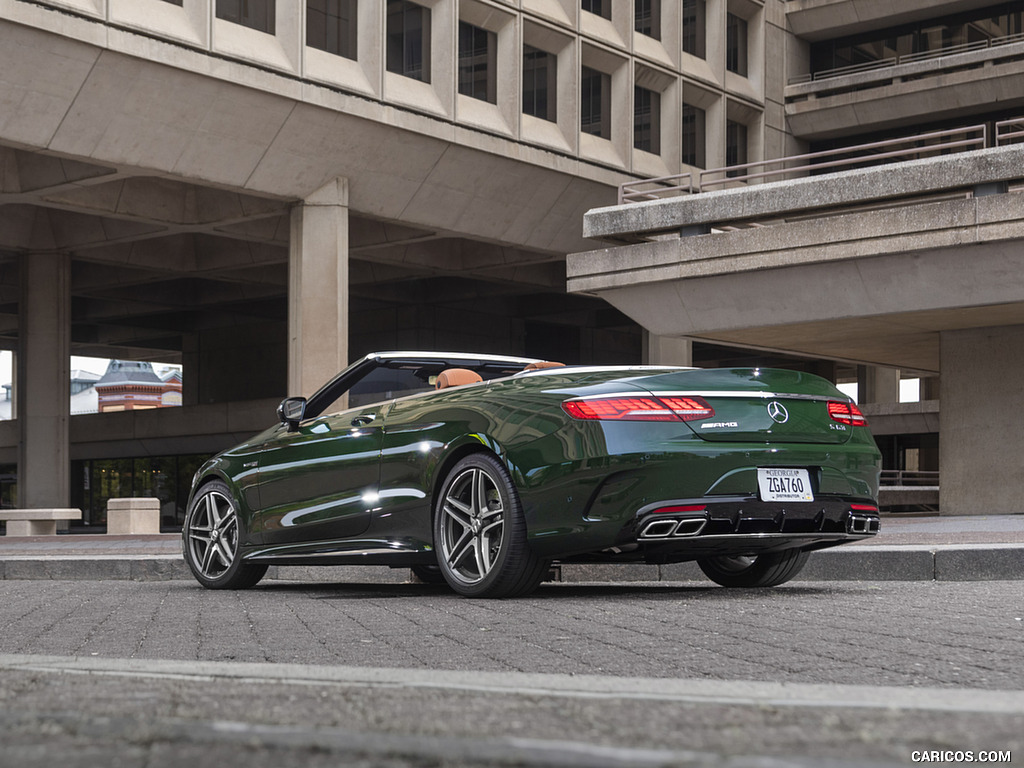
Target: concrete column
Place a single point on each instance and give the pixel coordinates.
(318, 289)
(980, 464)
(878, 385)
(43, 381)
(667, 350)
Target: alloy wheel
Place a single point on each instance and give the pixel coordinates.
(213, 535)
(473, 526)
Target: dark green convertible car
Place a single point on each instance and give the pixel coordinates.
(480, 471)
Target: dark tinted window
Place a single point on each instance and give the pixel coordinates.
(539, 82)
(331, 26)
(408, 39)
(256, 14)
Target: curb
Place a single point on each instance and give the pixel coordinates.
(964, 562)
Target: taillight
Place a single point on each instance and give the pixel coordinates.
(846, 413)
(643, 408)
(689, 408)
(679, 509)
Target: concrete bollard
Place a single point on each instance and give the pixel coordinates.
(139, 514)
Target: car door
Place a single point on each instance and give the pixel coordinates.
(319, 481)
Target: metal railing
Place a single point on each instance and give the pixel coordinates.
(1009, 131)
(908, 58)
(890, 150)
(910, 478)
(663, 185)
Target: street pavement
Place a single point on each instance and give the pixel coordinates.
(154, 674)
(111, 656)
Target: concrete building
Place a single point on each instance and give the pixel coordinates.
(261, 191)
(914, 266)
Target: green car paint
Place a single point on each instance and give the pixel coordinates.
(360, 485)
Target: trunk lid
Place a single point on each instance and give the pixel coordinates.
(757, 404)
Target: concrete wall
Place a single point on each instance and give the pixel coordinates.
(982, 448)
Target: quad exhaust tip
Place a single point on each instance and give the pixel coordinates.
(862, 524)
(663, 528)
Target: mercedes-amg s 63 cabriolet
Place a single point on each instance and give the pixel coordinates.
(480, 471)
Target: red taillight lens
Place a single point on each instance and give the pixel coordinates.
(863, 508)
(689, 408)
(639, 409)
(679, 509)
(846, 413)
(619, 409)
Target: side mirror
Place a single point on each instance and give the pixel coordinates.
(290, 412)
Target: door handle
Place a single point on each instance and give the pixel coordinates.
(363, 419)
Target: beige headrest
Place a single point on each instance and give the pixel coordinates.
(456, 377)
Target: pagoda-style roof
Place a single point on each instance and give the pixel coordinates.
(129, 372)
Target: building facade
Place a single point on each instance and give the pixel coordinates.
(263, 190)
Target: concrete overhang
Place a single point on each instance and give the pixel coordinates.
(825, 19)
(868, 266)
(952, 86)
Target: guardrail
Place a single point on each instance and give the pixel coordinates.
(900, 149)
(1009, 131)
(906, 477)
(908, 58)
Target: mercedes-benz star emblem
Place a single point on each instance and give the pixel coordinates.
(778, 412)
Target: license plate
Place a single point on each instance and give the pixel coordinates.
(777, 484)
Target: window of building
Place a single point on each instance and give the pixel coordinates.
(646, 120)
(736, 44)
(735, 146)
(331, 26)
(694, 27)
(694, 121)
(602, 8)
(539, 83)
(477, 49)
(595, 102)
(408, 39)
(647, 18)
(255, 14)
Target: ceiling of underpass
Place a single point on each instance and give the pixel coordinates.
(156, 259)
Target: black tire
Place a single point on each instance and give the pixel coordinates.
(210, 541)
(428, 574)
(767, 570)
(480, 533)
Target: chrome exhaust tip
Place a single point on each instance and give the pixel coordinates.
(658, 529)
(862, 525)
(665, 528)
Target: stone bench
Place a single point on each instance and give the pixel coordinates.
(137, 514)
(36, 522)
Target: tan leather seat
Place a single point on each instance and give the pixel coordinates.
(541, 364)
(456, 377)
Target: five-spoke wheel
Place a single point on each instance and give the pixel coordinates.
(210, 540)
(480, 533)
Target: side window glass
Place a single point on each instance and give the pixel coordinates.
(385, 384)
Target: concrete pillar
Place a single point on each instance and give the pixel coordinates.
(318, 289)
(43, 381)
(667, 350)
(878, 385)
(980, 464)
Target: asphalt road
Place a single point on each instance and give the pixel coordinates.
(159, 674)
